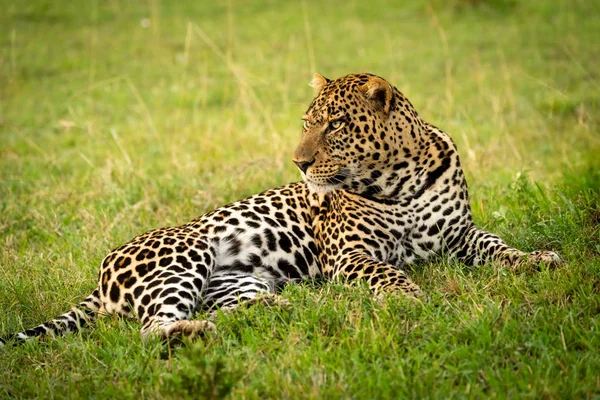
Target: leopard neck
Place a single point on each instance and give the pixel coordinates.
(419, 158)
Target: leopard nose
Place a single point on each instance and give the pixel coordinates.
(303, 165)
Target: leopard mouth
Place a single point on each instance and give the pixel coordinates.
(340, 177)
(329, 184)
(334, 181)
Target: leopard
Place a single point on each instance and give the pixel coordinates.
(381, 191)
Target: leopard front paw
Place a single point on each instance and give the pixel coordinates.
(548, 258)
(410, 290)
(415, 292)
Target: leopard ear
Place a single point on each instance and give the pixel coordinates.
(318, 82)
(380, 92)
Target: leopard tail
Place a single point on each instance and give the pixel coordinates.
(77, 318)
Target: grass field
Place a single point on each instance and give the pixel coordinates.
(117, 117)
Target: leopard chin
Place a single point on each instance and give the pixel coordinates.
(321, 188)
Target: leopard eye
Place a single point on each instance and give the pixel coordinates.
(305, 125)
(333, 125)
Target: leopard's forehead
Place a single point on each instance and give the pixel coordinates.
(337, 97)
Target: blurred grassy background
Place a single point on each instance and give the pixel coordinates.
(117, 117)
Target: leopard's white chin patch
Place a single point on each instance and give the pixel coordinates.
(315, 187)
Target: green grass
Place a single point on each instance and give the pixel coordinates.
(118, 117)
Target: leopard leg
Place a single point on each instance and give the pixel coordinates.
(228, 289)
(381, 277)
(166, 312)
(169, 295)
(480, 247)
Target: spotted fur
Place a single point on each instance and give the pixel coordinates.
(382, 189)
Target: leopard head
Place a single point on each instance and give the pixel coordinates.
(360, 134)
